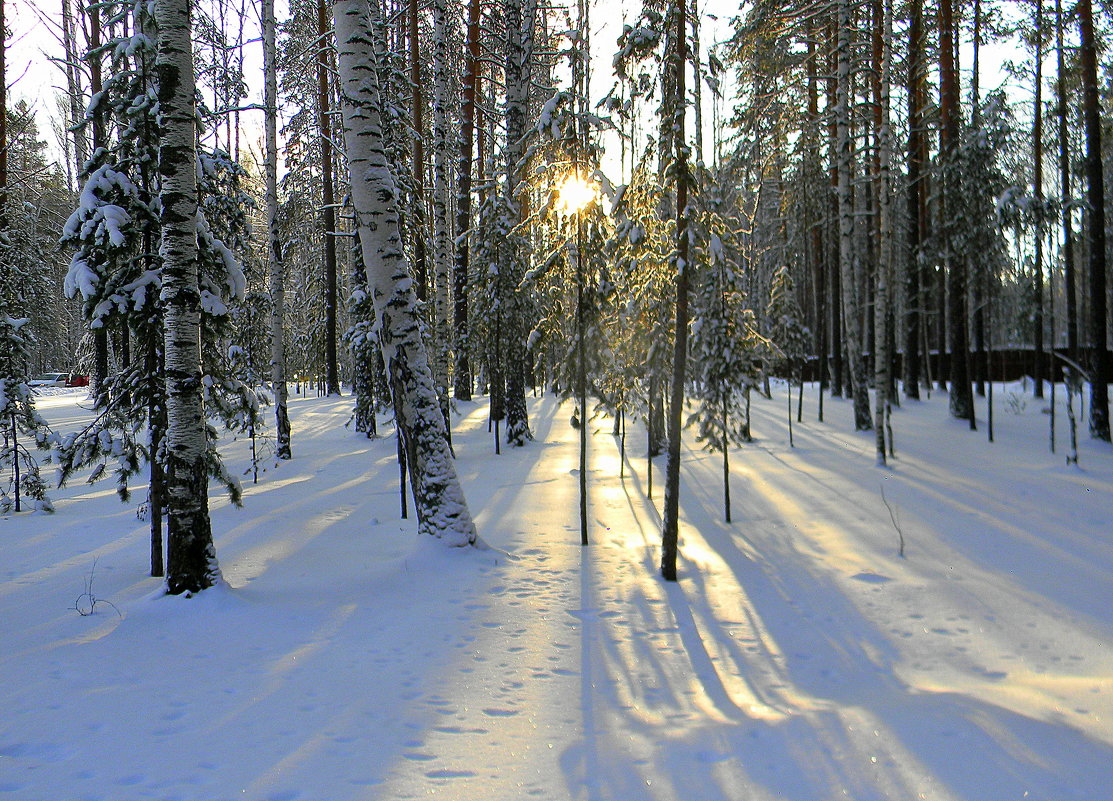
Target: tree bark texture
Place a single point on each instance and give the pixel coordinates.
(462, 375)
(520, 20)
(275, 268)
(670, 527)
(962, 396)
(848, 263)
(328, 200)
(438, 497)
(191, 558)
(1095, 199)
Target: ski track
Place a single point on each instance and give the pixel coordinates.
(799, 657)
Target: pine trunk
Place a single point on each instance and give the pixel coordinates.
(961, 397)
(462, 376)
(328, 200)
(670, 528)
(886, 235)
(1095, 197)
(917, 147)
(1070, 288)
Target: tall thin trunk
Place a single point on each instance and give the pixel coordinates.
(670, 527)
(847, 258)
(4, 167)
(520, 20)
(961, 397)
(835, 295)
(1037, 191)
(100, 139)
(462, 376)
(1095, 197)
(421, 269)
(1070, 288)
(917, 147)
(438, 497)
(275, 269)
(324, 126)
(887, 237)
(191, 558)
(697, 85)
(74, 88)
(979, 279)
(156, 423)
(581, 374)
(442, 227)
(817, 252)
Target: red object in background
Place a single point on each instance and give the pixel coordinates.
(76, 380)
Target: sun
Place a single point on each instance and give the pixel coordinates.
(575, 194)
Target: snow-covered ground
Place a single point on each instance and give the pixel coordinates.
(799, 657)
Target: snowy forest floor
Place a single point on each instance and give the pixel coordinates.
(799, 657)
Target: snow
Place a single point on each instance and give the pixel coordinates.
(799, 657)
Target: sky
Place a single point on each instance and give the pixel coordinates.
(35, 79)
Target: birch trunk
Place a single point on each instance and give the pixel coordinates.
(520, 16)
(442, 229)
(275, 269)
(438, 497)
(191, 558)
(847, 262)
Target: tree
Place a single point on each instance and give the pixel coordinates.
(328, 199)
(17, 405)
(191, 563)
(789, 337)
(673, 106)
(462, 374)
(274, 242)
(439, 499)
(1095, 197)
(520, 24)
(18, 417)
(848, 259)
(727, 348)
(961, 397)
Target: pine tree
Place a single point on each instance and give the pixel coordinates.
(727, 348)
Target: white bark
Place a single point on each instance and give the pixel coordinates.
(442, 234)
(274, 245)
(439, 499)
(847, 261)
(191, 564)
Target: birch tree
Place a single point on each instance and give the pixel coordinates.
(191, 556)
(438, 497)
(848, 260)
(274, 242)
